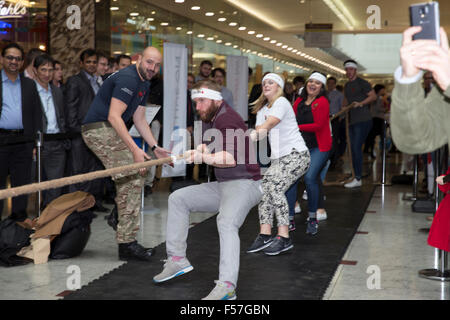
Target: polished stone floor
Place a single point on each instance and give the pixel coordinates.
(382, 261)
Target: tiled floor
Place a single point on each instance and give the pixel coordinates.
(388, 254)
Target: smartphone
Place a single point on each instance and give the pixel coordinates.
(425, 15)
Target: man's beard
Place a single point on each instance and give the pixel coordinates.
(144, 74)
(210, 113)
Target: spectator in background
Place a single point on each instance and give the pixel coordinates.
(20, 115)
(204, 71)
(123, 61)
(31, 55)
(299, 83)
(359, 91)
(378, 108)
(336, 99)
(112, 66)
(289, 92)
(53, 152)
(218, 76)
(102, 67)
(79, 94)
(57, 79)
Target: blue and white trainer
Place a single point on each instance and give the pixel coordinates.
(173, 269)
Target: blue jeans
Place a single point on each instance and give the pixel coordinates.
(358, 134)
(312, 180)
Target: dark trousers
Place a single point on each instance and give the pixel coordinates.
(53, 165)
(16, 161)
(335, 152)
(377, 130)
(83, 160)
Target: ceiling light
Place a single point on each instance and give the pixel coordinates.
(279, 44)
(273, 41)
(114, 8)
(153, 12)
(242, 28)
(259, 35)
(201, 35)
(290, 49)
(235, 46)
(150, 19)
(179, 1)
(219, 41)
(189, 32)
(222, 19)
(341, 11)
(251, 32)
(210, 38)
(179, 28)
(294, 51)
(266, 39)
(284, 47)
(134, 14)
(228, 44)
(209, 14)
(164, 24)
(195, 8)
(232, 24)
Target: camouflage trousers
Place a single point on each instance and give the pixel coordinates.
(112, 152)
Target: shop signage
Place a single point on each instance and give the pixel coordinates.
(12, 10)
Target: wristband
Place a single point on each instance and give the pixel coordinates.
(154, 147)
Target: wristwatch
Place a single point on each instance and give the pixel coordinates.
(154, 147)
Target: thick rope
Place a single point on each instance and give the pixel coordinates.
(58, 183)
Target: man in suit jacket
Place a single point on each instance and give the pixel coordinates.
(20, 117)
(53, 155)
(79, 93)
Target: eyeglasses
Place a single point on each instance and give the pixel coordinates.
(12, 58)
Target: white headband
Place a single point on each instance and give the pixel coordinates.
(351, 65)
(319, 77)
(274, 77)
(206, 93)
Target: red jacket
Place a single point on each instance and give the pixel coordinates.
(439, 236)
(321, 126)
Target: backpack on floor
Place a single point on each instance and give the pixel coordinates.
(74, 236)
(13, 238)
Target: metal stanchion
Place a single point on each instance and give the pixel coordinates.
(383, 174)
(441, 272)
(413, 196)
(39, 178)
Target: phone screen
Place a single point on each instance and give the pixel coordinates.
(425, 15)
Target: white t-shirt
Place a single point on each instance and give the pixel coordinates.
(285, 136)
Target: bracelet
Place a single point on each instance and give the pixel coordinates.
(154, 147)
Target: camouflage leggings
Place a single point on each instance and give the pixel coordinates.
(112, 151)
(283, 172)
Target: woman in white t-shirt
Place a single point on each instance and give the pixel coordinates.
(289, 161)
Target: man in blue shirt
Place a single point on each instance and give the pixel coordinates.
(121, 98)
(20, 119)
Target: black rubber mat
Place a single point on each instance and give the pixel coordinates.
(303, 273)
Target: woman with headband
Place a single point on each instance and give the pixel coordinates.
(312, 110)
(289, 161)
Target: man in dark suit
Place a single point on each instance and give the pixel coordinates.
(79, 93)
(53, 155)
(20, 117)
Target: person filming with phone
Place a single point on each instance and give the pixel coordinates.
(421, 124)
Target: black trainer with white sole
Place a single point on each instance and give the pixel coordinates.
(279, 245)
(261, 242)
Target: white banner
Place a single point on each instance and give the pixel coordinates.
(175, 105)
(237, 82)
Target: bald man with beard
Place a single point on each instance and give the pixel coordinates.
(121, 98)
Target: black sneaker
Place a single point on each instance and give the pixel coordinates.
(279, 244)
(312, 227)
(262, 241)
(134, 251)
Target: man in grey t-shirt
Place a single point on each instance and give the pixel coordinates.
(360, 91)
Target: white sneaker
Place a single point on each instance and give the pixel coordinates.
(321, 216)
(305, 195)
(221, 292)
(298, 209)
(353, 184)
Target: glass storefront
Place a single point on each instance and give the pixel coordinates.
(24, 22)
(137, 24)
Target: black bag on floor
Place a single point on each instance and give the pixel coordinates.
(403, 179)
(74, 236)
(424, 206)
(13, 237)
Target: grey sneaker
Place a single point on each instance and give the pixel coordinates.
(173, 269)
(261, 242)
(221, 292)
